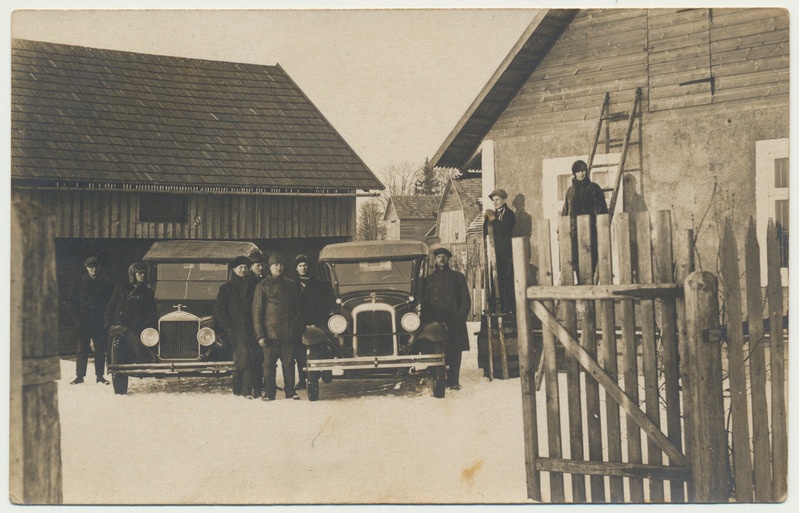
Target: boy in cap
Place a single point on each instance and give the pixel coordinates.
(584, 197)
(89, 298)
(276, 327)
(446, 299)
(503, 221)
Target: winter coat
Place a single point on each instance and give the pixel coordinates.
(274, 309)
(315, 302)
(584, 197)
(446, 298)
(503, 235)
(90, 298)
(233, 315)
(132, 306)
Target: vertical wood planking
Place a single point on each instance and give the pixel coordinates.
(609, 353)
(737, 366)
(757, 368)
(709, 474)
(521, 259)
(574, 388)
(588, 341)
(649, 355)
(549, 354)
(779, 427)
(630, 358)
(664, 261)
(684, 265)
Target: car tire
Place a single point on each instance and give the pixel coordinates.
(439, 382)
(313, 388)
(327, 376)
(120, 382)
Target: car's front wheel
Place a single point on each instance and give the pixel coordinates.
(120, 382)
(313, 388)
(439, 382)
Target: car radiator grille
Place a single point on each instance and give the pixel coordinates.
(178, 340)
(375, 333)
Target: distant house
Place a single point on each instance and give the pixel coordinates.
(712, 137)
(460, 208)
(127, 148)
(410, 217)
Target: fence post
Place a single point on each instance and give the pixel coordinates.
(703, 392)
(527, 365)
(35, 428)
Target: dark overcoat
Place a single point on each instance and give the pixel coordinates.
(315, 302)
(90, 298)
(274, 309)
(132, 306)
(446, 298)
(233, 315)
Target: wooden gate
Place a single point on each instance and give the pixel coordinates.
(633, 344)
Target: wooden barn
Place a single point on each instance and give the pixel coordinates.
(410, 217)
(700, 95)
(126, 148)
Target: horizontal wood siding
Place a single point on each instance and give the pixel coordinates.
(112, 215)
(680, 57)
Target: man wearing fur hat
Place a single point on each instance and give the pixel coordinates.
(131, 309)
(89, 298)
(503, 221)
(584, 197)
(256, 272)
(276, 327)
(233, 314)
(315, 303)
(446, 299)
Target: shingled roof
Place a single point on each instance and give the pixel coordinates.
(87, 117)
(416, 207)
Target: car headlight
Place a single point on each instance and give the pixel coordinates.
(206, 336)
(149, 337)
(337, 324)
(410, 322)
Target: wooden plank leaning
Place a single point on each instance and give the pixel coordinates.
(489, 322)
(742, 463)
(757, 368)
(527, 366)
(498, 306)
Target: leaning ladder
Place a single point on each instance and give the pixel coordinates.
(605, 119)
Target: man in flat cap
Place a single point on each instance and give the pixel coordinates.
(503, 221)
(89, 299)
(233, 314)
(446, 299)
(276, 326)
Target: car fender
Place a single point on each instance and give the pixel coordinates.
(313, 336)
(432, 332)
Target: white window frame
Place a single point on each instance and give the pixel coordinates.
(552, 205)
(766, 152)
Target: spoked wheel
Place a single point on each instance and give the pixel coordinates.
(313, 387)
(439, 382)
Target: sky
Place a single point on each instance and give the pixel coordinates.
(393, 82)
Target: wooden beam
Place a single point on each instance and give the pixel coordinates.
(613, 468)
(593, 292)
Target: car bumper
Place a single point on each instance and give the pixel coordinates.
(164, 369)
(414, 363)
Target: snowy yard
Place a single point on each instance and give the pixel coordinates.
(190, 441)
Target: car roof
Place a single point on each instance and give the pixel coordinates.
(198, 250)
(373, 250)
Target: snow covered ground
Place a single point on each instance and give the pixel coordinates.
(190, 441)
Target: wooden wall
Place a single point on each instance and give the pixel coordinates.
(113, 214)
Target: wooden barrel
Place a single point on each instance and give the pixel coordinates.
(35, 428)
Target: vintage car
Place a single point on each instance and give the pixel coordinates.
(186, 276)
(376, 330)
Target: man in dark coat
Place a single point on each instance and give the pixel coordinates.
(131, 309)
(584, 197)
(233, 314)
(89, 298)
(315, 305)
(503, 221)
(276, 327)
(446, 299)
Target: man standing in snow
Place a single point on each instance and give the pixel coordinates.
(315, 302)
(275, 323)
(89, 299)
(584, 197)
(446, 299)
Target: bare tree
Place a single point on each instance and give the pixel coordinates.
(399, 180)
(369, 225)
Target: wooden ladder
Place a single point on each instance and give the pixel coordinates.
(605, 120)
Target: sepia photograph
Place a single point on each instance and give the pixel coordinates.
(386, 255)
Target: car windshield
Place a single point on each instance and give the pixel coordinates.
(373, 275)
(189, 280)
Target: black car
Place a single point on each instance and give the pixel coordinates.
(376, 331)
(186, 276)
